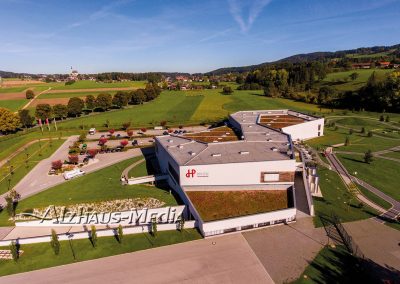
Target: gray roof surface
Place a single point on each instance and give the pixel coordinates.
(260, 144)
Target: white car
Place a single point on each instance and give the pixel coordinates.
(92, 131)
(73, 174)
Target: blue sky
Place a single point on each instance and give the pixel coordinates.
(49, 36)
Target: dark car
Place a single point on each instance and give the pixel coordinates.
(165, 133)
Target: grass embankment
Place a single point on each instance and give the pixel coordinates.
(337, 200)
(12, 142)
(20, 165)
(143, 169)
(39, 256)
(380, 173)
(374, 198)
(334, 265)
(101, 185)
(218, 205)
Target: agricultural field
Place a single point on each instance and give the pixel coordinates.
(94, 85)
(189, 107)
(342, 81)
(13, 105)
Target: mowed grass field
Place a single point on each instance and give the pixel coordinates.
(380, 173)
(101, 185)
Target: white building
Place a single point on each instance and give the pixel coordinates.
(254, 159)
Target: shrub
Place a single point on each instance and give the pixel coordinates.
(92, 152)
(55, 243)
(93, 236)
(73, 159)
(14, 248)
(111, 131)
(120, 233)
(126, 125)
(29, 94)
(163, 123)
(143, 129)
(129, 133)
(57, 165)
(102, 141)
(124, 143)
(154, 227)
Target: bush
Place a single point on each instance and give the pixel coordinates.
(92, 152)
(29, 94)
(14, 248)
(55, 243)
(93, 236)
(126, 125)
(73, 159)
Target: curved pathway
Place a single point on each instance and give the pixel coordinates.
(125, 172)
(390, 214)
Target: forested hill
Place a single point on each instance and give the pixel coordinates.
(362, 54)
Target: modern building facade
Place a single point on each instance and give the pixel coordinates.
(229, 176)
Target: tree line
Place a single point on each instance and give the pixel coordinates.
(11, 122)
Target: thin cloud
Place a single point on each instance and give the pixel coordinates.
(236, 9)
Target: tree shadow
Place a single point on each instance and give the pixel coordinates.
(352, 159)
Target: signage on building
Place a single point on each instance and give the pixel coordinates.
(191, 173)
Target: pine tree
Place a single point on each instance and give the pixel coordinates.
(14, 248)
(154, 227)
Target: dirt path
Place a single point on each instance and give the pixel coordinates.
(126, 171)
(31, 101)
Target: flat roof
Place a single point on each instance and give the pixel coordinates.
(260, 141)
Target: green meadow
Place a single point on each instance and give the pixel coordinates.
(13, 105)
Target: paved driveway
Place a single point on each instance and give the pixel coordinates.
(38, 180)
(286, 250)
(377, 241)
(229, 260)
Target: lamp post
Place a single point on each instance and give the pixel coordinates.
(70, 236)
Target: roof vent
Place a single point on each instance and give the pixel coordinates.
(227, 133)
(267, 134)
(244, 152)
(170, 140)
(274, 149)
(250, 126)
(180, 146)
(215, 141)
(216, 155)
(191, 153)
(269, 139)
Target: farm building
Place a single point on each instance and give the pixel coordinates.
(241, 175)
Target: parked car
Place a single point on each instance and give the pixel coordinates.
(134, 142)
(73, 174)
(165, 133)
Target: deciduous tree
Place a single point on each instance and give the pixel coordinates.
(75, 106)
(60, 111)
(44, 111)
(25, 118)
(9, 121)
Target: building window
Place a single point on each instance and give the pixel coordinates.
(247, 227)
(229, 230)
(319, 127)
(319, 133)
(173, 173)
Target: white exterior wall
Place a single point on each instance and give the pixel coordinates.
(218, 227)
(306, 130)
(234, 173)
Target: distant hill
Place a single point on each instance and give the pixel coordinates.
(363, 52)
(7, 74)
